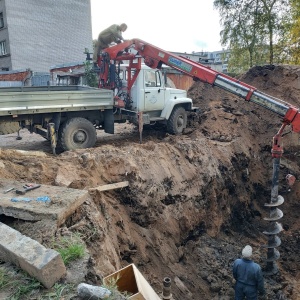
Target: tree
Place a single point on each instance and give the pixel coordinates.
(242, 29)
(274, 15)
(90, 75)
(250, 28)
(294, 30)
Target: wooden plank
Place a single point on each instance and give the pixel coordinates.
(107, 187)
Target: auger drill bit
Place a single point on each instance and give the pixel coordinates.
(275, 214)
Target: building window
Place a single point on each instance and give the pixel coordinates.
(1, 20)
(4, 69)
(3, 48)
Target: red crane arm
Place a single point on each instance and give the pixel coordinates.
(155, 57)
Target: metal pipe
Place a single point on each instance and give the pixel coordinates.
(167, 288)
(275, 180)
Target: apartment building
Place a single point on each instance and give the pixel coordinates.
(37, 34)
(217, 60)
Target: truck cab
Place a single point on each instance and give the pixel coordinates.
(150, 96)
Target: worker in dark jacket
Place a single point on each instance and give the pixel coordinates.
(248, 276)
(112, 34)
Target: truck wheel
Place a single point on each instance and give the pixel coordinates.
(177, 120)
(9, 127)
(77, 133)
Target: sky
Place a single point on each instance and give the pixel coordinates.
(185, 26)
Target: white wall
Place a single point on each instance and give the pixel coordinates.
(43, 33)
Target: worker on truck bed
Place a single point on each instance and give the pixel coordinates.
(248, 276)
(112, 34)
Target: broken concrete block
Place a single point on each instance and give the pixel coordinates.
(46, 265)
(91, 292)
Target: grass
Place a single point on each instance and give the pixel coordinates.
(22, 286)
(18, 284)
(5, 278)
(58, 291)
(70, 248)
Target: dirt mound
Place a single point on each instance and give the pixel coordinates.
(193, 200)
(281, 81)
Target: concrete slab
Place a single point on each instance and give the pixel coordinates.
(52, 202)
(46, 265)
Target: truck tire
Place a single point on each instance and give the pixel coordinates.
(9, 127)
(77, 133)
(177, 120)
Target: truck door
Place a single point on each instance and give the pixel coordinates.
(154, 90)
